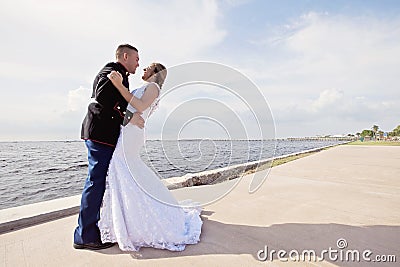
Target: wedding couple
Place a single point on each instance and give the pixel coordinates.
(123, 200)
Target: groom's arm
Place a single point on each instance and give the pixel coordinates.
(105, 92)
(133, 118)
(111, 99)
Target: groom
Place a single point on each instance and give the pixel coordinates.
(100, 130)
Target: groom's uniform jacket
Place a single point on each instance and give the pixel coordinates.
(106, 113)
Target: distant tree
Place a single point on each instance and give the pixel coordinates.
(375, 129)
(365, 133)
(396, 131)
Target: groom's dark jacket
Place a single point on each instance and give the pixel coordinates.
(106, 113)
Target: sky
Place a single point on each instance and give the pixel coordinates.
(319, 67)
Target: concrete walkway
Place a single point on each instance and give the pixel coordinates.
(346, 192)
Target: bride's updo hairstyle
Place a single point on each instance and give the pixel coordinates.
(160, 72)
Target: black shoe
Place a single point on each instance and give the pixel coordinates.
(94, 246)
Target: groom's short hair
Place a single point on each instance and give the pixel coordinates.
(124, 48)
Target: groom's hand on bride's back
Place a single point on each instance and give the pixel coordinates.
(137, 120)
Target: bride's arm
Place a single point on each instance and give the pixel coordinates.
(139, 104)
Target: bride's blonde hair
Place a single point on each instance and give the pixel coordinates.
(160, 72)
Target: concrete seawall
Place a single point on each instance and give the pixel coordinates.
(228, 173)
(16, 218)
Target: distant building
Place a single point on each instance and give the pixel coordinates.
(339, 136)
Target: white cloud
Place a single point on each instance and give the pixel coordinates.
(326, 99)
(78, 99)
(52, 46)
(330, 49)
(78, 37)
(358, 57)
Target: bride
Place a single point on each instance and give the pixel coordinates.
(138, 210)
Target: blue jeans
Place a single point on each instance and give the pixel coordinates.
(99, 157)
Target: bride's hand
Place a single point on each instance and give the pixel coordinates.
(116, 78)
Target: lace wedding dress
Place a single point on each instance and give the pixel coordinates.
(138, 210)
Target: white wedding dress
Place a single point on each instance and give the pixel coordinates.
(138, 210)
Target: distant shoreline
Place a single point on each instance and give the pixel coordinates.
(197, 139)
